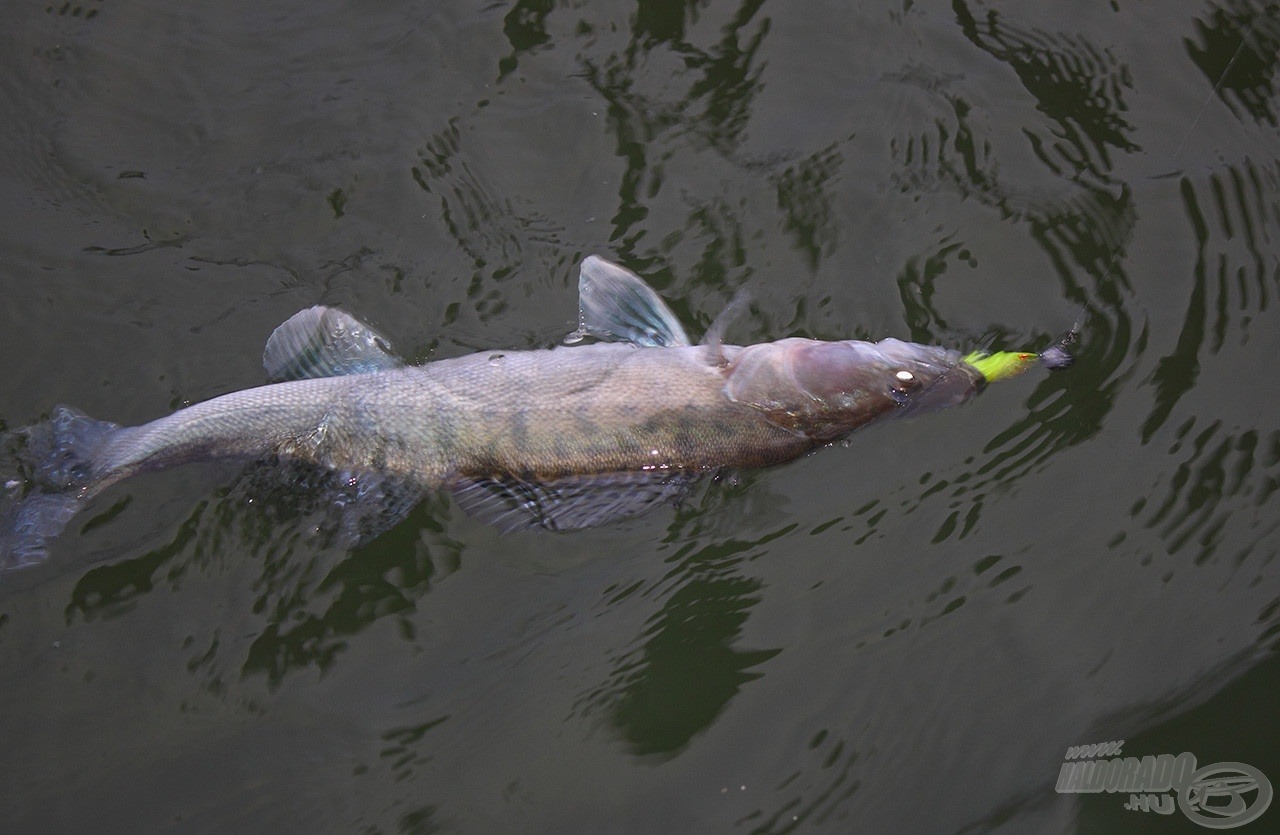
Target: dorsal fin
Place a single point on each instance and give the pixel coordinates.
(616, 306)
(325, 342)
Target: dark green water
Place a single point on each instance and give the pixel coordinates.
(904, 635)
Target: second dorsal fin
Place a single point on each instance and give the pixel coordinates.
(714, 337)
(325, 342)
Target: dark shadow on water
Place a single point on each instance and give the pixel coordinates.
(719, 85)
(1236, 275)
(112, 590)
(1080, 86)
(421, 821)
(1237, 47)
(1083, 229)
(311, 594)
(500, 233)
(687, 667)
(1214, 501)
(404, 752)
(1235, 724)
(525, 27)
(308, 622)
(815, 796)
(805, 200)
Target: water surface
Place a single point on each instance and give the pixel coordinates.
(902, 635)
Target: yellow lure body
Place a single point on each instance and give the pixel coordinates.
(1001, 365)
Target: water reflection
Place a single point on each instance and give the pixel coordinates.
(1217, 495)
(526, 29)
(497, 234)
(1083, 227)
(1052, 423)
(309, 620)
(1237, 47)
(1080, 86)
(403, 752)
(311, 593)
(815, 795)
(993, 576)
(1234, 224)
(1064, 410)
(719, 85)
(112, 590)
(420, 821)
(804, 198)
(671, 87)
(687, 668)
(948, 152)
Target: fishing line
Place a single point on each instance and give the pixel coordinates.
(1072, 335)
(1221, 79)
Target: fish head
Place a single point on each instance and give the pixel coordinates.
(824, 390)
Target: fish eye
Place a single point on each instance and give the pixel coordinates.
(904, 383)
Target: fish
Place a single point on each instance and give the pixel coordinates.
(627, 417)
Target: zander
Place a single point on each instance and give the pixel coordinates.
(564, 438)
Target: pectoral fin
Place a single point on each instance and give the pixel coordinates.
(569, 503)
(370, 506)
(616, 306)
(325, 342)
(349, 508)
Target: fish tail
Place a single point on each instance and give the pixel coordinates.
(58, 472)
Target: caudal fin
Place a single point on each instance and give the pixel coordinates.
(55, 460)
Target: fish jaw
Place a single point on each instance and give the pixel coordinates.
(825, 390)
